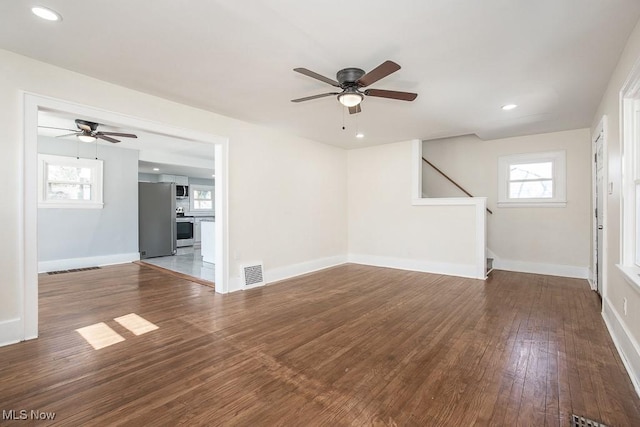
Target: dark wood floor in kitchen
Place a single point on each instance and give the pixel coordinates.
(351, 345)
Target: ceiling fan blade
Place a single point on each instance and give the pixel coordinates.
(106, 138)
(317, 76)
(68, 134)
(355, 110)
(125, 135)
(308, 98)
(50, 127)
(380, 72)
(391, 94)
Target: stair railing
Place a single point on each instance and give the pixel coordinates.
(451, 180)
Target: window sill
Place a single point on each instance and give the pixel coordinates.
(42, 205)
(631, 275)
(532, 204)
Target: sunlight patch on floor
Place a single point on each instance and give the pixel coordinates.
(136, 324)
(100, 335)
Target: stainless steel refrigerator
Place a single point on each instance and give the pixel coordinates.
(156, 219)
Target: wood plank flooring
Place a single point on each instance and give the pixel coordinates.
(351, 345)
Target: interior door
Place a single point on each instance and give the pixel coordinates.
(600, 197)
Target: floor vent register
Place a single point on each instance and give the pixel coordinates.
(73, 270)
(578, 421)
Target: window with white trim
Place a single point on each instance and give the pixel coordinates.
(630, 188)
(631, 183)
(69, 182)
(201, 198)
(535, 179)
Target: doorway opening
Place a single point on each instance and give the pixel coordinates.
(599, 196)
(34, 105)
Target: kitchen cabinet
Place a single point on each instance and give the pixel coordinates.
(197, 232)
(208, 241)
(177, 179)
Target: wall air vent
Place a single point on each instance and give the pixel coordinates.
(252, 275)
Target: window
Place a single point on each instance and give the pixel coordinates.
(537, 179)
(69, 182)
(630, 189)
(201, 198)
(634, 189)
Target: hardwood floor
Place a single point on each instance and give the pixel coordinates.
(351, 345)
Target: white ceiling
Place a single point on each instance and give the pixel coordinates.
(164, 168)
(464, 58)
(170, 154)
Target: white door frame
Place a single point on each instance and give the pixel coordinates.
(28, 244)
(601, 128)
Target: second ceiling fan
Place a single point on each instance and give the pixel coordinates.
(88, 132)
(351, 80)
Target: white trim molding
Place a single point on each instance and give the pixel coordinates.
(94, 261)
(631, 275)
(278, 274)
(625, 343)
(630, 162)
(287, 272)
(558, 159)
(95, 183)
(416, 169)
(11, 331)
(601, 129)
(541, 268)
(28, 240)
(448, 269)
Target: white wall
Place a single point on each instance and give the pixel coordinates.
(625, 328)
(287, 195)
(68, 236)
(386, 229)
(542, 240)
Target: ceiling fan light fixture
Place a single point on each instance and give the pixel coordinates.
(350, 98)
(46, 13)
(86, 138)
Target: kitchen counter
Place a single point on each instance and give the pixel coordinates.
(200, 214)
(208, 240)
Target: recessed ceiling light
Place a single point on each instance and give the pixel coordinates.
(508, 107)
(156, 169)
(359, 135)
(46, 13)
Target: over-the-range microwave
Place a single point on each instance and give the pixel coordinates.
(182, 191)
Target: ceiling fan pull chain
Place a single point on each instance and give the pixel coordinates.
(343, 107)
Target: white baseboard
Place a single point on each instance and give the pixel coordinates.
(235, 284)
(461, 270)
(94, 261)
(11, 332)
(625, 343)
(592, 280)
(282, 273)
(289, 271)
(541, 268)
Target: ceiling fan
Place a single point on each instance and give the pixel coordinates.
(88, 132)
(351, 80)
